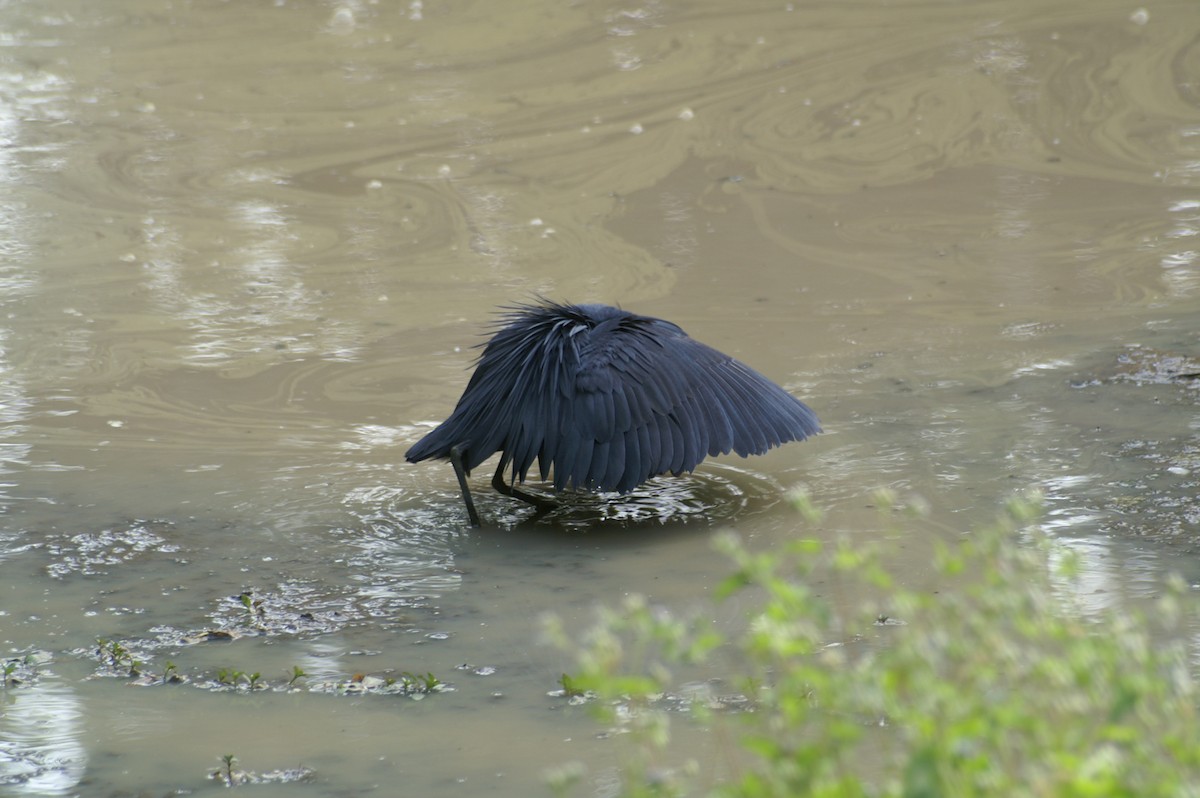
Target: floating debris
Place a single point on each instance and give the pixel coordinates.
(406, 684)
(1142, 365)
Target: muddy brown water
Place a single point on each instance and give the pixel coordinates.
(247, 248)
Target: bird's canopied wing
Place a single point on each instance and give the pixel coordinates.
(648, 400)
(511, 394)
(607, 399)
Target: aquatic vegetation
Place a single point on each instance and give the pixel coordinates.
(231, 678)
(421, 683)
(570, 688)
(997, 684)
(19, 671)
(171, 674)
(117, 657)
(297, 674)
(288, 610)
(229, 776)
(255, 613)
(406, 683)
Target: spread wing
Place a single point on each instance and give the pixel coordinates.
(606, 399)
(646, 400)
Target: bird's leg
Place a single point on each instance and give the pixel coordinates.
(461, 473)
(499, 483)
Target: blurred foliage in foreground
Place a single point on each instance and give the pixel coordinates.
(997, 685)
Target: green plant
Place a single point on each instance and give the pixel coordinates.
(256, 613)
(998, 684)
(117, 656)
(297, 673)
(229, 676)
(110, 649)
(626, 661)
(418, 683)
(10, 668)
(227, 774)
(171, 673)
(570, 687)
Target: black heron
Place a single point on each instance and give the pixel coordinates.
(606, 399)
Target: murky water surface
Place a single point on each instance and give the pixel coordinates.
(247, 248)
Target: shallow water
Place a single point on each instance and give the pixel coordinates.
(247, 249)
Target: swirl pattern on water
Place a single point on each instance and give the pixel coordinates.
(249, 246)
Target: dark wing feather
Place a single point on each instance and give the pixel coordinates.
(606, 399)
(720, 431)
(524, 377)
(671, 401)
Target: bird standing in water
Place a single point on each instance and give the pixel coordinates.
(605, 399)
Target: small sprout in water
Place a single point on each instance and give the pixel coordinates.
(253, 679)
(229, 676)
(10, 667)
(226, 775)
(417, 683)
(254, 607)
(117, 655)
(425, 684)
(110, 649)
(297, 673)
(570, 687)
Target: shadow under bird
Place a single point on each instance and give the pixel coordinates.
(605, 399)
